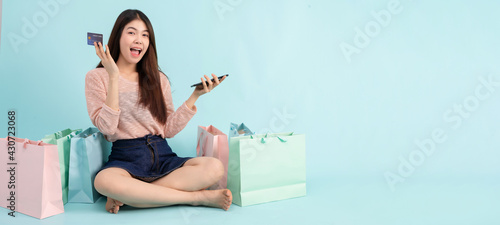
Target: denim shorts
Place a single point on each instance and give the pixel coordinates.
(147, 158)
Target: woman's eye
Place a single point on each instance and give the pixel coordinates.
(145, 35)
(130, 32)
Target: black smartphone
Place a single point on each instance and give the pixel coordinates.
(194, 85)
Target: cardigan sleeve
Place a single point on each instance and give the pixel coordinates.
(102, 116)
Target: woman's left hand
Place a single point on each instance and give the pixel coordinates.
(204, 88)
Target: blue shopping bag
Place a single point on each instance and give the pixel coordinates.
(89, 152)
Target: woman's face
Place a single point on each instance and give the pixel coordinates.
(134, 41)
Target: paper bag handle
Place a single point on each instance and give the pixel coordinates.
(201, 152)
(27, 141)
(263, 140)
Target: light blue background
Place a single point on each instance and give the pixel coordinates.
(360, 117)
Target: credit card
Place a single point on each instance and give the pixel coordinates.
(93, 37)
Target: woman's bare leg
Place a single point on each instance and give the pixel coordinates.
(117, 184)
(196, 174)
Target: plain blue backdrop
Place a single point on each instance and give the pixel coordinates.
(399, 99)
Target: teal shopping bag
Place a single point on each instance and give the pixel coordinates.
(265, 168)
(62, 139)
(89, 152)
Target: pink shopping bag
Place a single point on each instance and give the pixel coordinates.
(213, 143)
(34, 177)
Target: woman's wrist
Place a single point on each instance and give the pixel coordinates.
(114, 77)
(191, 100)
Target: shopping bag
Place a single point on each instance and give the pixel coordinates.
(265, 168)
(31, 176)
(213, 143)
(89, 151)
(62, 139)
(236, 130)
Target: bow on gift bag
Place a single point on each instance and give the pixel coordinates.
(63, 139)
(236, 130)
(265, 168)
(36, 177)
(88, 153)
(213, 143)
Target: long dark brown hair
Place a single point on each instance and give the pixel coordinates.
(150, 92)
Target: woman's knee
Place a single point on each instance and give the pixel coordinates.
(106, 184)
(211, 166)
(214, 167)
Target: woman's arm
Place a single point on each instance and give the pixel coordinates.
(178, 119)
(102, 116)
(102, 104)
(112, 96)
(113, 73)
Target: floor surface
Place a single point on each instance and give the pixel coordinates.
(329, 200)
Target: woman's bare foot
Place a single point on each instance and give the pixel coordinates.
(113, 206)
(216, 198)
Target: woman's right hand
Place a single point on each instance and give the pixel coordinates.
(106, 60)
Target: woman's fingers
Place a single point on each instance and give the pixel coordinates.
(101, 50)
(216, 80)
(204, 85)
(97, 50)
(103, 54)
(210, 83)
(207, 84)
(107, 53)
(223, 78)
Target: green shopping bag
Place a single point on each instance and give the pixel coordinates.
(265, 168)
(63, 141)
(89, 152)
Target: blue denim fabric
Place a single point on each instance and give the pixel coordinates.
(147, 158)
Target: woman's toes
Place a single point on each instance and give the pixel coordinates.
(118, 203)
(113, 206)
